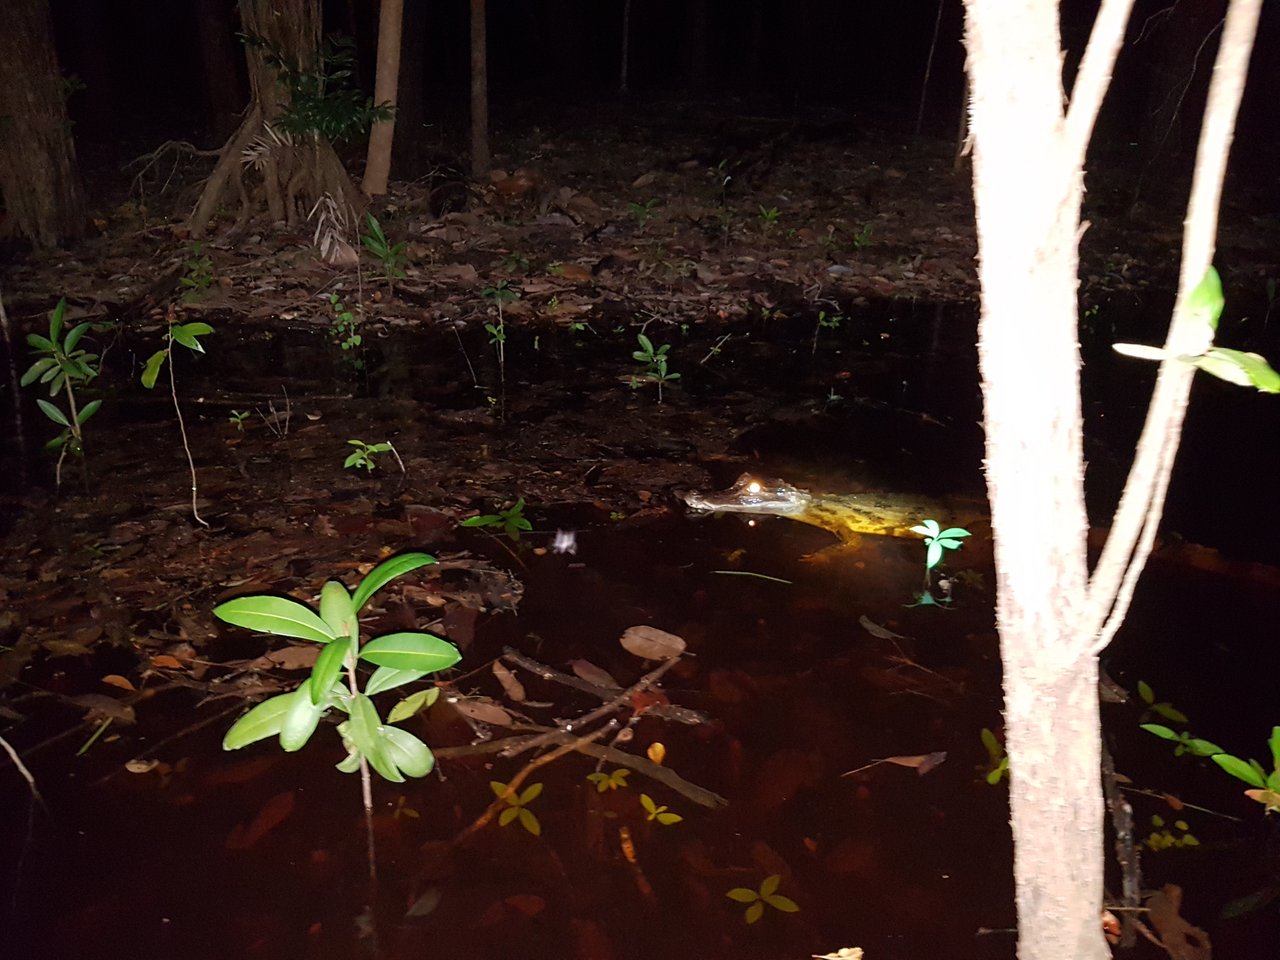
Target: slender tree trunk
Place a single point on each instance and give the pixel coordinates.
(378, 161)
(479, 93)
(39, 177)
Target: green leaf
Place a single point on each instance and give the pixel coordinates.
(743, 895)
(55, 319)
(186, 334)
(409, 754)
(486, 520)
(151, 371)
(1205, 302)
(385, 572)
(38, 342)
(1170, 713)
(300, 720)
(933, 554)
(1145, 692)
(264, 720)
(53, 413)
(754, 912)
(36, 370)
(351, 763)
(280, 616)
(411, 651)
(88, 410)
(529, 821)
(413, 704)
(1239, 769)
(74, 336)
(948, 544)
(785, 904)
(362, 728)
(1140, 350)
(388, 678)
(337, 610)
(1274, 742)
(354, 459)
(530, 794)
(994, 750)
(1160, 731)
(507, 815)
(770, 885)
(1202, 748)
(327, 668)
(953, 533)
(1238, 367)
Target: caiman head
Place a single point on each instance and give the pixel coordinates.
(751, 494)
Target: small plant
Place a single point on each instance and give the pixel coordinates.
(400, 658)
(862, 239)
(642, 211)
(610, 781)
(198, 277)
(344, 330)
(518, 806)
(661, 814)
(1163, 709)
(825, 323)
(63, 366)
(655, 363)
(721, 177)
(512, 520)
(1266, 785)
(769, 216)
(392, 256)
(514, 263)
(363, 455)
(1186, 743)
(936, 542)
(188, 335)
(237, 418)
(998, 760)
(500, 294)
(766, 894)
(1162, 838)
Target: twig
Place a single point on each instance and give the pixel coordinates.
(514, 785)
(22, 769)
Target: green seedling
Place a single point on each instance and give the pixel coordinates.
(1162, 709)
(642, 211)
(400, 658)
(936, 542)
(825, 323)
(392, 256)
(1266, 786)
(364, 453)
(1162, 838)
(721, 177)
(198, 277)
(767, 894)
(1204, 306)
(1185, 743)
(514, 263)
(769, 216)
(64, 367)
(518, 806)
(500, 294)
(512, 520)
(238, 417)
(862, 238)
(610, 781)
(998, 760)
(655, 364)
(661, 814)
(344, 330)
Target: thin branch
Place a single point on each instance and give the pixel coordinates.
(1094, 75)
(1133, 528)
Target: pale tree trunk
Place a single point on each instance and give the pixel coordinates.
(479, 93)
(1053, 620)
(385, 89)
(39, 177)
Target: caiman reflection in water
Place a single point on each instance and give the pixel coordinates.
(848, 515)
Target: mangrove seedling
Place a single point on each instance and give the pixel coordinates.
(1162, 838)
(769, 217)
(364, 453)
(518, 806)
(344, 330)
(63, 366)
(936, 542)
(1266, 786)
(392, 256)
(512, 520)
(655, 363)
(1185, 742)
(187, 334)
(400, 658)
(238, 417)
(198, 277)
(661, 813)
(642, 211)
(758, 898)
(610, 781)
(825, 323)
(862, 238)
(500, 294)
(1163, 709)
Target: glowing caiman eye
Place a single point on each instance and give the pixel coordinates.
(753, 487)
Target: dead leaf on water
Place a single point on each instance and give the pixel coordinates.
(510, 685)
(921, 763)
(588, 671)
(273, 813)
(482, 711)
(115, 680)
(294, 656)
(873, 628)
(650, 643)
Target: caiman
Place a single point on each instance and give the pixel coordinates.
(848, 515)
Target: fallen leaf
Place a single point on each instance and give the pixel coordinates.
(115, 680)
(510, 685)
(922, 763)
(588, 671)
(482, 711)
(873, 628)
(650, 643)
(657, 752)
(273, 813)
(295, 656)
(166, 662)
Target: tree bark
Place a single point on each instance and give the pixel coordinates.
(479, 93)
(378, 161)
(223, 88)
(39, 177)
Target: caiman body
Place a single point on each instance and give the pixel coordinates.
(848, 515)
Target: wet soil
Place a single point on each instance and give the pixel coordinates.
(833, 347)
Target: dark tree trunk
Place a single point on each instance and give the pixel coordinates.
(410, 144)
(290, 172)
(479, 93)
(223, 87)
(38, 173)
(695, 45)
